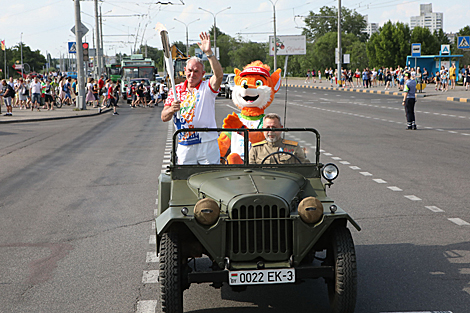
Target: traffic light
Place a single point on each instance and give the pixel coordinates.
(85, 51)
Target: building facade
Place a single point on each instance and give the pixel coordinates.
(427, 18)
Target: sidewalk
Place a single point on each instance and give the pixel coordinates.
(458, 94)
(22, 116)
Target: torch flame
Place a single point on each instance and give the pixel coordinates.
(160, 27)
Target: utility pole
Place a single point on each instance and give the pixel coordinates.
(101, 35)
(275, 38)
(340, 55)
(80, 70)
(215, 27)
(97, 64)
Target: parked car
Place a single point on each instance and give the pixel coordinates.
(228, 86)
(257, 224)
(222, 84)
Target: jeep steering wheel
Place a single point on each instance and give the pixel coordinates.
(281, 152)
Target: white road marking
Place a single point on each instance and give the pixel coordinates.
(150, 277)
(344, 162)
(365, 173)
(355, 167)
(153, 225)
(156, 201)
(459, 221)
(146, 306)
(336, 158)
(155, 212)
(153, 240)
(152, 257)
(328, 154)
(379, 181)
(434, 208)
(420, 312)
(413, 198)
(394, 188)
(164, 165)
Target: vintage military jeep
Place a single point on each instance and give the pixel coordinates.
(257, 223)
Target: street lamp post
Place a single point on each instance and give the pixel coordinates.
(22, 66)
(275, 38)
(215, 27)
(187, 40)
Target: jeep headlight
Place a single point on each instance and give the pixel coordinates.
(310, 210)
(206, 211)
(330, 172)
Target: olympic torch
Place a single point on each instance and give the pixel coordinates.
(166, 50)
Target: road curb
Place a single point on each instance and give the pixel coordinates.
(458, 99)
(29, 120)
(379, 92)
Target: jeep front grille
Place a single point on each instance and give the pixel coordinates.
(259, 231)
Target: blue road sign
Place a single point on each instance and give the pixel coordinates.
(463, 42)
(415, 49)
(72, 47)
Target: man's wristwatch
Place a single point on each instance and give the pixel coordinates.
(210, 55)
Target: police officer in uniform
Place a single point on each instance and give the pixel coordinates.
(274, 143)
(409, 100)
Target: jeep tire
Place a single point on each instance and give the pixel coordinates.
(342, 289)
(171, 290)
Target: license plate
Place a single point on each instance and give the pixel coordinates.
(257, 277)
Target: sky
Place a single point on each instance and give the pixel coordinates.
(45, 25)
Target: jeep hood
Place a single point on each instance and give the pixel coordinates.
(224, 186)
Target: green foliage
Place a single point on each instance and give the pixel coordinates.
(390, 46)
(243, 53)
(34, 59)
(429, 42)
(351, 23)
(465, 60)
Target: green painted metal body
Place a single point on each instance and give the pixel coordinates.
(258, 219)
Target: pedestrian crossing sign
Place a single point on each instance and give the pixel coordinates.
(445, 49)
(463, 42)
(72, 47)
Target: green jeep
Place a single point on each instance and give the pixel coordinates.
(257, 223)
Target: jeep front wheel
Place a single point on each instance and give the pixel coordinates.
(171, 290)
(342, 289)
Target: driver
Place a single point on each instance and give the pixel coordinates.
(281, 149)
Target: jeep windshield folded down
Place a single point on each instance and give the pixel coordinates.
(269, 223)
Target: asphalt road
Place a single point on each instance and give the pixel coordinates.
(77, 199)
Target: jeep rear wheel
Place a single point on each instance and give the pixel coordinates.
(342, 289)
(171, 290)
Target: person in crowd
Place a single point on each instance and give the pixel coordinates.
(48, 100)
(35, 94)
(452, 76)
(8, 93)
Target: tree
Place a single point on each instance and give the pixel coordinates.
(244, 53)
(390, 46)
(441, 37)
(351, 23)
(465, 60)
(429, 42)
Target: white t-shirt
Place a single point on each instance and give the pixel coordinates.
(36, 87)
(197, 110)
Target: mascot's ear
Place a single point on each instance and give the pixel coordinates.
(276, 78)
(237, 71)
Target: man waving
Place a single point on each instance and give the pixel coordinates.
(194, 107)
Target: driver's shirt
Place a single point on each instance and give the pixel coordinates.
(262, 149)
(197, 110)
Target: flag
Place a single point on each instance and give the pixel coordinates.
(3, 45)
